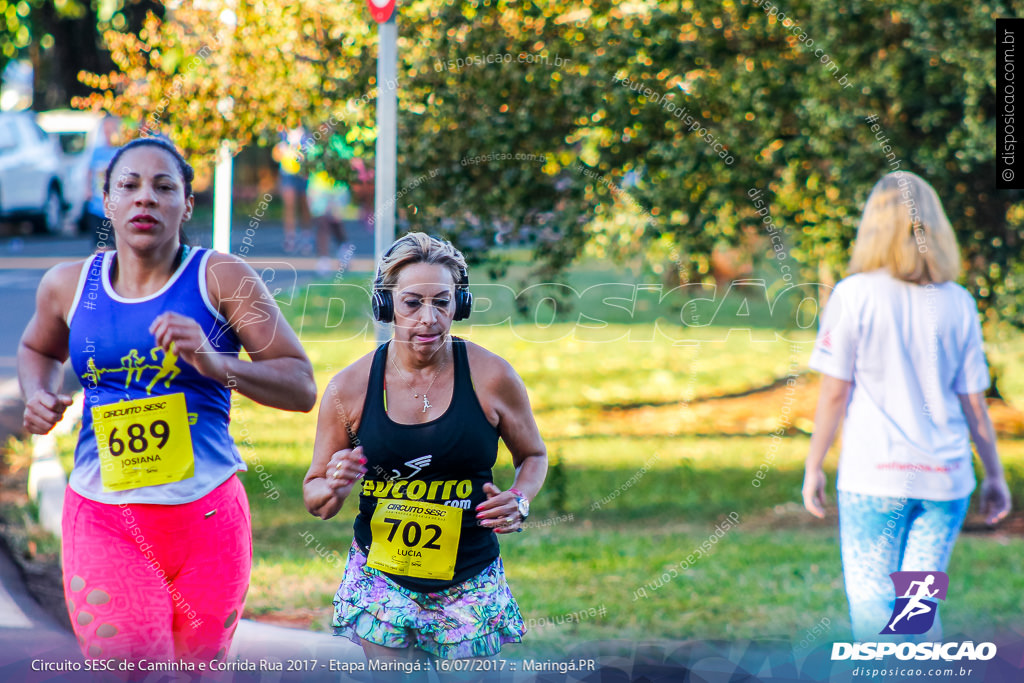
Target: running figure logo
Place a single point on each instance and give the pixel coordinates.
(917, 596)
(135, 364)
(416, 464)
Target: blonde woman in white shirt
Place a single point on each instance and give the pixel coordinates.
(901, 357)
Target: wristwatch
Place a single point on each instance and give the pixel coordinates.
(522, 502)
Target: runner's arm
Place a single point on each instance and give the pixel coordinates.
(43, 348)
(278, 373)
(995, 494)
(507, 394)
(323, 492)
(832, 399)
(519, 431)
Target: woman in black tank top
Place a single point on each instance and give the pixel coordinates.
(412, 429)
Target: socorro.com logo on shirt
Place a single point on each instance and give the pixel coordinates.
(917, 596)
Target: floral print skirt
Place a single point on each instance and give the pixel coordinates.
(470, 619)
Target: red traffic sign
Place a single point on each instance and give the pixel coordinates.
(381, 10)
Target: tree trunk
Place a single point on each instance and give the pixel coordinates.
(77, 46)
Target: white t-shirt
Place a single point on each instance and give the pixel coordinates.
(909, 350)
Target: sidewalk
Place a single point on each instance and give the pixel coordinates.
(27, 632)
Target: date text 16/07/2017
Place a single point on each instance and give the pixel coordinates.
(447, 665)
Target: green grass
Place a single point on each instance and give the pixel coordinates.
(776, 574)
(616, 528)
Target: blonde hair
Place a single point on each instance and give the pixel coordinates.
(905, 230)
(419, 247)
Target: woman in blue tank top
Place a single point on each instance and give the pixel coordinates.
(157, 544)
(413, 430)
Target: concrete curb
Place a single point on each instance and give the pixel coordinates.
(47, 480)
(255, 641)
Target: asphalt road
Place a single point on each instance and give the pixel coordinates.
(24, 260)
(18, 291)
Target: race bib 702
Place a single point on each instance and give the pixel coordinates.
(414, 538)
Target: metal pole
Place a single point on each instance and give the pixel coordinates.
(385, 175)
(222, 199)
(223, 171)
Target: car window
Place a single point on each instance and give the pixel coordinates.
(72, 143)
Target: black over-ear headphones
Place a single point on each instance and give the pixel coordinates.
(384, 302)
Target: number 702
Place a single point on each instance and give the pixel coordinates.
(412, 533)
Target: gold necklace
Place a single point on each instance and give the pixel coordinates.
(426, 401)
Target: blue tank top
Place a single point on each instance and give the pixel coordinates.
(116, 359)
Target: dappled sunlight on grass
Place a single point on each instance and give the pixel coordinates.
(657, 443)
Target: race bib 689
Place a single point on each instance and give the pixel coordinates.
(144, 442)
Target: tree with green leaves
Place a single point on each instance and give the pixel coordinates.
(60, 38)
(600, 124)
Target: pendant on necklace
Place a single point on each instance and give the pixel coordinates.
(426, 403)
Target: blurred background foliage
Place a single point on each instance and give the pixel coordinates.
(565, 125)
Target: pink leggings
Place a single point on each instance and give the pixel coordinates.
(158, 582)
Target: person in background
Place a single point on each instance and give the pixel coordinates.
(95, 221)
(363, 192)
(901, 357)
(289, 154)
(330, 203)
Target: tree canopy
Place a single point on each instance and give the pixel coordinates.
(613, 126)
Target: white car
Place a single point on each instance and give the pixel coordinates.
(30, 173)
(76, 132)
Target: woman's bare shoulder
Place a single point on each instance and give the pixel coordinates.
(347, 388)
(488, 368)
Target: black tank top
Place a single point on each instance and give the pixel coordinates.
(445, 462)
